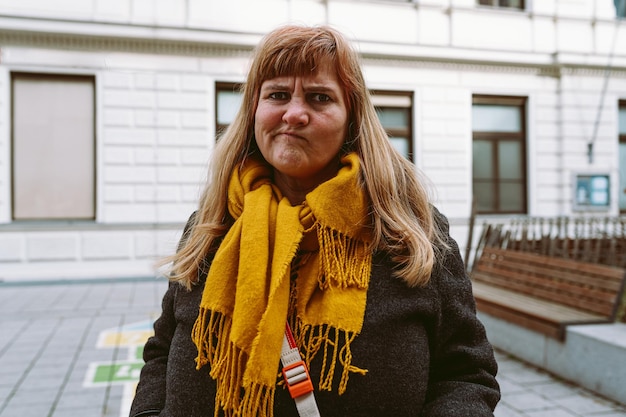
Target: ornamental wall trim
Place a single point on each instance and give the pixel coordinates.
(197, 48)
(115, 44)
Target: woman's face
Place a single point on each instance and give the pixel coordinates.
(300, 125)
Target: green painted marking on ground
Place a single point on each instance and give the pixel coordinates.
(117, 372)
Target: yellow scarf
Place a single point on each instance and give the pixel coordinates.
(239, 330)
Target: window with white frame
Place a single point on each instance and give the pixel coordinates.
(510, 4)
(53, 147)
(395, 109)
(499, 154)
(228, 98)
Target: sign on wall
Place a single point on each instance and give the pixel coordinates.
(592, 191)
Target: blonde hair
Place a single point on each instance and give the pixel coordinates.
(402, 218)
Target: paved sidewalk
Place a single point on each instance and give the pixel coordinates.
(74, 349)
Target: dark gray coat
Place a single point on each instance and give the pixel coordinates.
(425, 351)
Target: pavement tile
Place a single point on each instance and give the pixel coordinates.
(556, 389)
(9, 330)
(31, 396)
(76, 386)
(508, 386)
(527, 376)
(551, 413)
(25, 410)
(86, 399)
(72, 297)
(11, 379)
(13, 362)
(503, 410)
(92, 353)
(93, 300)
(528, 401)
(35, 381)
(5, 391)
(70, 328)
(586, 404)
(91, 411)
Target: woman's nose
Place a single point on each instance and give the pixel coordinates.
(296, 113)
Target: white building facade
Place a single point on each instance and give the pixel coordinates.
(109, 111)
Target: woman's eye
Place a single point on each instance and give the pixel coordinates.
(321, 97)
(279, 95)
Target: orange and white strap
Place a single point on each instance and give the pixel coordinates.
(297, 377)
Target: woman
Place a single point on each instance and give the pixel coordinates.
(311, 218)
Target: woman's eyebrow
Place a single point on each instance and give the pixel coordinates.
(275, 86)
(322, 88)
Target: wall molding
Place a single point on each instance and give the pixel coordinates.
(528, 63)
(118, 44)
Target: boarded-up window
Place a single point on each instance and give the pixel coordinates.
(53, 147)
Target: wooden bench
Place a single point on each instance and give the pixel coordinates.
(544, 293)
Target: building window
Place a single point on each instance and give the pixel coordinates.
(620, 8)
(228, 98)
(622, 156)
(395, 111)
(499, 154)
(53, 147)
(511, 4)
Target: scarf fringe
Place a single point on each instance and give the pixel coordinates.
(344, 261)
(327, 339)
(227, 363)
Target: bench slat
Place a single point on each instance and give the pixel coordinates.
(506, 274)
(560, 263)
(573, 277)
(506, 277)
(600, 276)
